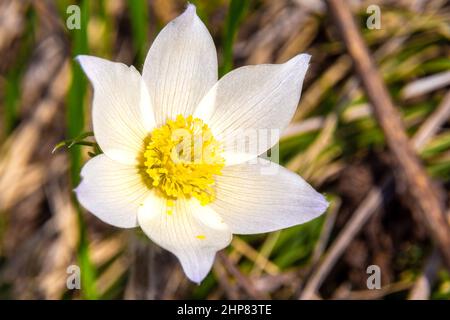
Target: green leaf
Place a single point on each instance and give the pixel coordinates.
(75, 123)
(139, 23)
(236, 11)
(76, 141)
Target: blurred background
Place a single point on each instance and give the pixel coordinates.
(333, 142)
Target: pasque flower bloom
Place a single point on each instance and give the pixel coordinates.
(192, 208)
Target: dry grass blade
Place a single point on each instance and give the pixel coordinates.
(241, 279)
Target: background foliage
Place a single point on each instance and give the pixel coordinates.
(333, 142)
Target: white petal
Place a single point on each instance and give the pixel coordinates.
(194, 233)
(254, 100)
(180, 67)
(112, 191)
(264, 197)
(122, 114)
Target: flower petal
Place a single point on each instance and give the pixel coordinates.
(251, 99)
(112, 191)
(122, 114)
(264, 197)
(180, 67)
(194, 233)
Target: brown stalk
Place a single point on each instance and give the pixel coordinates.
(241, 279)
(411, 172)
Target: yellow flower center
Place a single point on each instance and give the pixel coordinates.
(182, 158)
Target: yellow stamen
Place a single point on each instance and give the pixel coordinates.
(201, 237)
(182, 158)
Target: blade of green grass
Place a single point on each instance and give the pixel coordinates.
(75, 124)
(139, 24)
(236, 11)
(12, 96)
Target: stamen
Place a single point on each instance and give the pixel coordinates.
(182, 158)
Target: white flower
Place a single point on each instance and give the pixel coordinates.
(191, 209)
